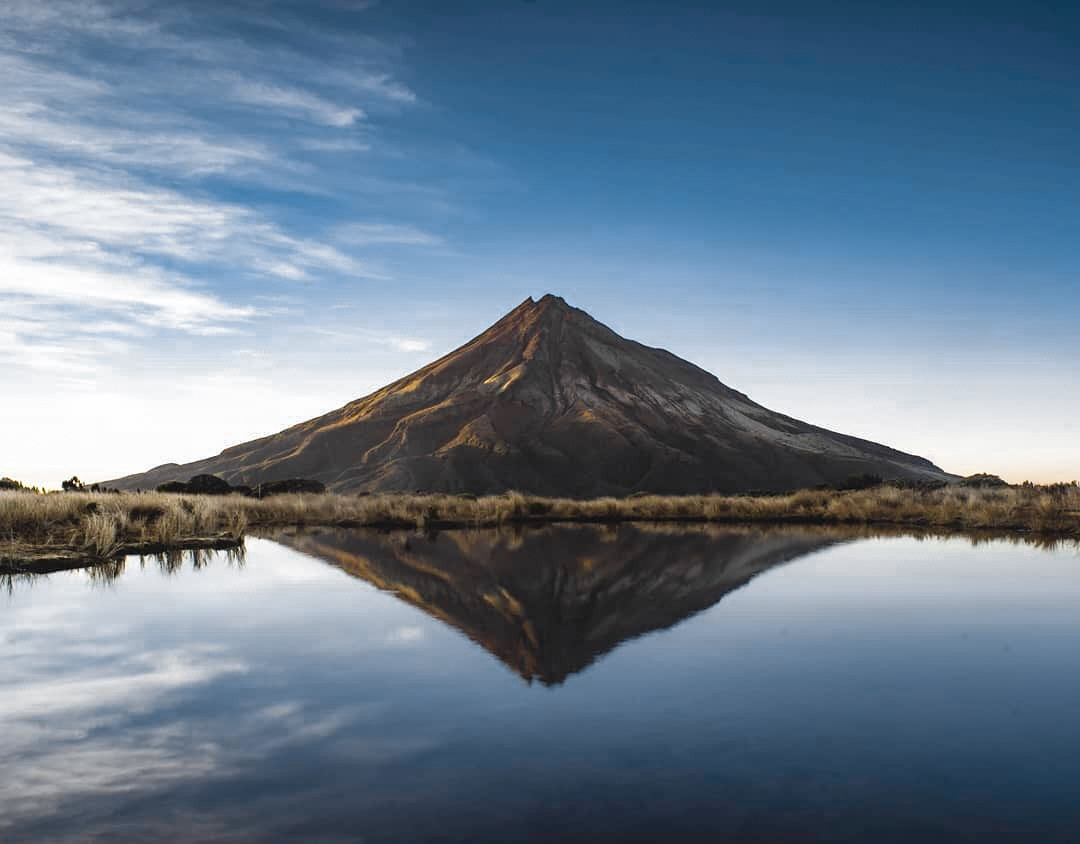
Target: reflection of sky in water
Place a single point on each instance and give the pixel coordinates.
(888, 689)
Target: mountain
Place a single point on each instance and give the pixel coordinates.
(549, 602)
(552, 402)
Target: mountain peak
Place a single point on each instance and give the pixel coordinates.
(546, 300)
(533, 318)
(548, 303)
(550, 300)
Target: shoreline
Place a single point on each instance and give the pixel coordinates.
(49, 560)
(60, 531)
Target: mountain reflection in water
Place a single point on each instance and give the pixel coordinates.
(890, 690)
(550, 601)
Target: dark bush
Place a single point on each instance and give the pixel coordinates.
(208, 485)
(213, 485)
(854, 482)
(289, 485)
(983, 480)
(172, 486)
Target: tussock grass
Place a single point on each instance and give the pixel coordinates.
(103, 526)
(51, 528)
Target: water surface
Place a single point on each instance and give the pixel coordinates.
(575, 684)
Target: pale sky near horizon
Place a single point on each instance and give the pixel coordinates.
(217, 220)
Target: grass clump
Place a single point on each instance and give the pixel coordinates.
(105, 526)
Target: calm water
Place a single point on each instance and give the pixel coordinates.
(577, 684)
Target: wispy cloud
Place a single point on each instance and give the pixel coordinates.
(335, 145)
(400, 342)
(380, 84)
(366, 234)
(294, 101)
(173, 148)
(127, 168)
(408, 344)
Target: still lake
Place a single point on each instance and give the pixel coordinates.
(562, 684)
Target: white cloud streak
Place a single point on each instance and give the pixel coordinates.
(365, 234)
(400, 342)
(294, 101)
(112, 119)
(173, 148)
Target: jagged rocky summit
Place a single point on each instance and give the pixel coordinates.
(549, 401)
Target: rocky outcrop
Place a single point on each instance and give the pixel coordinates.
(552, 402)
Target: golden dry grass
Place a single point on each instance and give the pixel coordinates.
(102, 526)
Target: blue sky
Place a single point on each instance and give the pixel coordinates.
(220, 219)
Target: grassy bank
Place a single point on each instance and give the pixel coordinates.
(38, 528)
(45, 532)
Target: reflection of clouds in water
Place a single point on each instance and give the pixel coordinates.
(80, 736)
(280, 725)
(71, 734)
(44, 770)
(65, 773)
(136, 698)
(60, 619)
(132, 686)
(77, 678)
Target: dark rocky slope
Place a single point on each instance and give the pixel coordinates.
(552, 402)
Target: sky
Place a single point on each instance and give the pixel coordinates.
(219, 219)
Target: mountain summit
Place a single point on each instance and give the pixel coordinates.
(552, 402)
